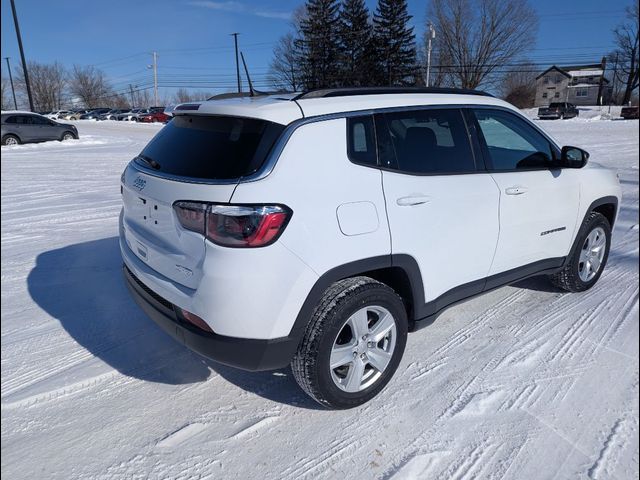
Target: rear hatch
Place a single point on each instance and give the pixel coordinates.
(194, 159)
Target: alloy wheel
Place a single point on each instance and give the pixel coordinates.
(592, 254)
(363, 348)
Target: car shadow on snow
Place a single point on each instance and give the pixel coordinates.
(82, 286)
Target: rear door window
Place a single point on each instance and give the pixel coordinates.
(211, 147)
(429, 141)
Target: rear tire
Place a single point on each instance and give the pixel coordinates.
(586, 261)
(359, 326)
(10, 140)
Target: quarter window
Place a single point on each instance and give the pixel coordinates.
(511, 143)
(361, 145)
(430, 141)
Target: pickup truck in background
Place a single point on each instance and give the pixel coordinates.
(630, 113)
(558, 110)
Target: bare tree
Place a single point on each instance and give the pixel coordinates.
(284, 72)
(518, 86)
(6, 95)
(118, 100)
(182, 95)
(90, 85)
(478, 37)
(627, 53)
(48, 83)
(143, 98)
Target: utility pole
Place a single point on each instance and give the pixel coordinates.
(601, 83)
(15, 104)
(155, 79)
(432, 35)
(133, 104)
(613, 87)
(235, 40)
(24, 63)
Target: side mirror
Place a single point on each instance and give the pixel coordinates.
(573, 157)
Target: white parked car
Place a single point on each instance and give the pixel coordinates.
(317, 230)
(57, 114)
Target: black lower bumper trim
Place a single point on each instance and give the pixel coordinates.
(244, 353)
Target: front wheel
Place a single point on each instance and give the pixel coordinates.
(67, 136)
(588, 257)
(353, 343)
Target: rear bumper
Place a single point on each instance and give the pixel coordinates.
(244, 353)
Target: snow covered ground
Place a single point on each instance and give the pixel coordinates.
(525, 382)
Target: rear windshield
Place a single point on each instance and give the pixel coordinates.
(211, 147)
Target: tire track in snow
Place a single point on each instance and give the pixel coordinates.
(608, 456)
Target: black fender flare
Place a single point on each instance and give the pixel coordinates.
(608, 200)
(359, 267)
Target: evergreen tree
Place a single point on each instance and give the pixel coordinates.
(395, 44)
(318, 44)
(357, 52)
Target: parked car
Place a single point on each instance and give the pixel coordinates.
(94, 114)
(56, 114)
(111, 114)
(258, 233)
(132, 116)
(26, 127)
(76, 114)
(630, 113)
(558, 110)
(154, 117)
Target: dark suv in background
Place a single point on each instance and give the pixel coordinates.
(558, 110)
(27, 127)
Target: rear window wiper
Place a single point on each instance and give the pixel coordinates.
(149, 161)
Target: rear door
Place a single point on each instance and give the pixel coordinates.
(193, 159)
(46, 130)
(442, 206)
(538, 203)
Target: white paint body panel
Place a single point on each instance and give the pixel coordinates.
(541, 201)
(314, 177)
(452, 235)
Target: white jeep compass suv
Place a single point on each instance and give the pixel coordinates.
(316, 230)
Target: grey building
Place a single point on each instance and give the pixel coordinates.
(577, 84)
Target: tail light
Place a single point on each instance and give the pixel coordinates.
(234, 225)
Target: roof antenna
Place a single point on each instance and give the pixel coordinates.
(252, 92)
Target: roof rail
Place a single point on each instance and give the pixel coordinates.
(350, 92)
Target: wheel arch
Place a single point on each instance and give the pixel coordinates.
(607, 206)
(10, 134)
(399, 271)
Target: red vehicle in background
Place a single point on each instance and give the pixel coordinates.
(156, 114)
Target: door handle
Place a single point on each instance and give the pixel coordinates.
(413, 200)
(517, 190)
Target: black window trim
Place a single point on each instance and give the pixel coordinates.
(485, 149)
(279, 146)
(351, 118)
(477, 159)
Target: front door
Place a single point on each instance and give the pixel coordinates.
(538, 203)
